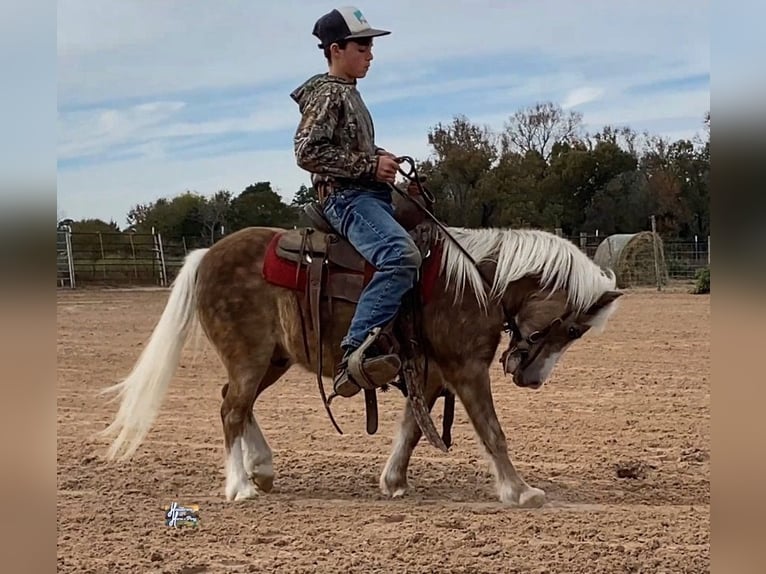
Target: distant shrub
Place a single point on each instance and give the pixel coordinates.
(702, 281)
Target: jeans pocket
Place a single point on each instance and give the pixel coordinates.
(333, 211)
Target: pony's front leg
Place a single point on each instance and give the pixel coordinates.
(475, 393)
(393, 479)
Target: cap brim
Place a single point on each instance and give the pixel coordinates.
(371, 33)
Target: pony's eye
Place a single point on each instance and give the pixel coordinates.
(574, 332)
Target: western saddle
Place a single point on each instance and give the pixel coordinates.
(336, 271)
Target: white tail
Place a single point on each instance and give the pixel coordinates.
(143, 390)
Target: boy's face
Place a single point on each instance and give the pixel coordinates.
(353, 61)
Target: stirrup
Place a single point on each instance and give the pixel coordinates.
(358, 372)
(373, 372)
(343, 379)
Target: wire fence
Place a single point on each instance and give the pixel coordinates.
(681, 258)
(144, 259)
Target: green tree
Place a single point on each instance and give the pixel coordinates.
(577, 172)
(260, 205)
(92, 238)
(179, 216)
(515, 187)
(304, 196)
(623, 205)
(464, 153)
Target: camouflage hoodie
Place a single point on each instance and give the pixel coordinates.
(335, 139)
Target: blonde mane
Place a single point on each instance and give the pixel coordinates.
(519, 253)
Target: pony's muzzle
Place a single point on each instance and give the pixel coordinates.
(512, 359)
(520, 381)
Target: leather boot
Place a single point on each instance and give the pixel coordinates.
(367, 367)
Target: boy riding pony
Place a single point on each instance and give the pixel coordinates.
(335, 142)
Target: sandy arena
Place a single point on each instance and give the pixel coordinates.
(618, 438)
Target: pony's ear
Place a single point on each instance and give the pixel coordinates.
(597, 314)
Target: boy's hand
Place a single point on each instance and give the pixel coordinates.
(381, 151)
(387, 168)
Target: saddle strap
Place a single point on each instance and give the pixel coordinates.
(420, 409)
(414, 379)
(449, 417)
(371, 409)
(316, 271)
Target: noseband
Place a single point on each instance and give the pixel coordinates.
(523, 345)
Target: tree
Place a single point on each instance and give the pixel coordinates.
(538, 128)
(139, 214)
(464, 153)
(577, 172)
(623, 205)
(260, 205)
(624, 137)
(214, 213)
(92, 238)
(514, 186)
(304, 196)
(539, 171)
(678, 183)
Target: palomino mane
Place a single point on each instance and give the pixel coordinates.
(519, 253)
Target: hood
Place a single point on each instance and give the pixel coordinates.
(302, 93)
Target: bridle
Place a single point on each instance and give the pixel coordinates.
(524, 345)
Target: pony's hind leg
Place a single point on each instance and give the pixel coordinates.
(248, 454)
(257, 456)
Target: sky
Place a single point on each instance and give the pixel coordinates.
(157, 98)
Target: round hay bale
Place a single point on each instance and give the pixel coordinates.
(631, 257)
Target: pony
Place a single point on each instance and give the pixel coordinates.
(485, 282)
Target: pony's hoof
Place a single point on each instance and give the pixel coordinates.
(393, 488)
(264, 482)
(532, 498)
(246, 493)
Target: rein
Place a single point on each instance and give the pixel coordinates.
(523, 344)
(509, 325)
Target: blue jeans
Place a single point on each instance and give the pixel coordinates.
(366, 219)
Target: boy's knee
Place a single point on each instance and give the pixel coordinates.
(411, 256)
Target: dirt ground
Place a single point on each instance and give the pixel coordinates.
(619, 439)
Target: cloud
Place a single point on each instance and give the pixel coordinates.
(581, 96)
(159, 97)
(93, 131)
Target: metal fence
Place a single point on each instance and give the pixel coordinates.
(680, 257)
(110, 259)
(144, 259)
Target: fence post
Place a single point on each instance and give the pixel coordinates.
(70, 257)
(103, 255)
(656, 254)
(133, 254)
(559, 232)
(164, 275)
(64, 257)
(708, 250)
(160, 257)
(584, 242)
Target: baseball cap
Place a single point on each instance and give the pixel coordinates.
(347, 23)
